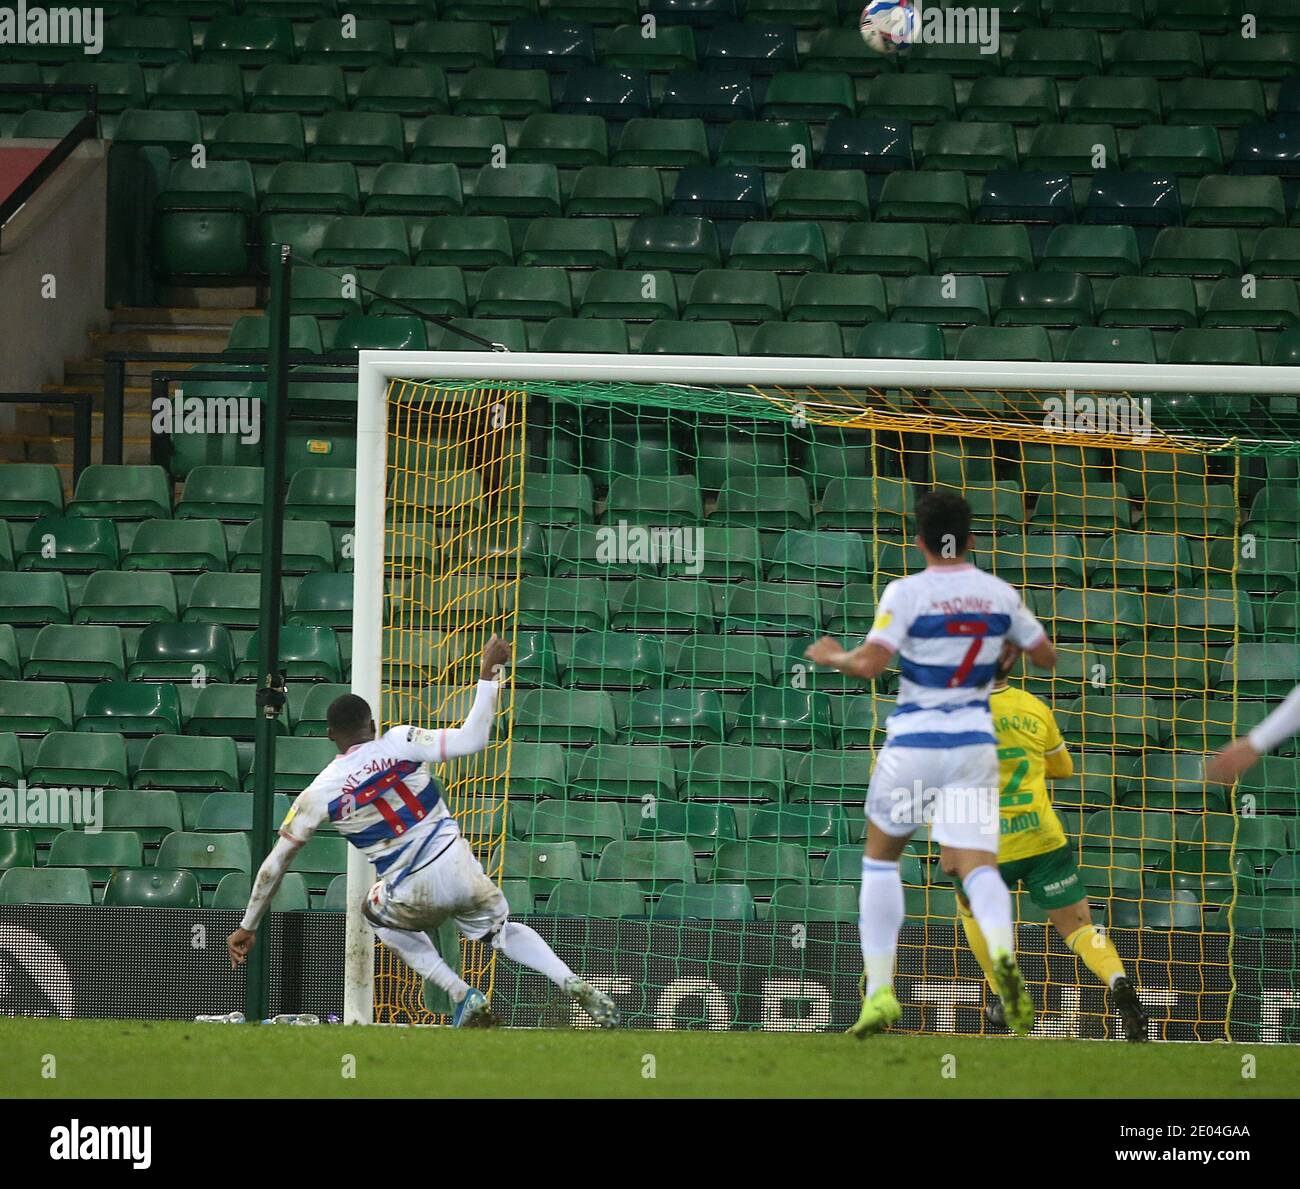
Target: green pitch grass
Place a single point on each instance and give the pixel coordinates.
(107, 1059)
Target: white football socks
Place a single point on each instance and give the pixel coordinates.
(418, 952)
(990, 904)
(880, 917)
(526, 946)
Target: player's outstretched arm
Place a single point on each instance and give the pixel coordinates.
(269, 877)
(868, 660)
(1241, 753)
(434, 747)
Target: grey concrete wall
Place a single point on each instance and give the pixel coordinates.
(60, 233)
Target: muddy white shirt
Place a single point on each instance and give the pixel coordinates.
(380, 794)
(948, 624)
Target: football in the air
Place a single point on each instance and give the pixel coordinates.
(888, 26)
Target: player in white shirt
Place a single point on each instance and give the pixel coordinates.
(379, 794)
(948, 625)
(1244, 751)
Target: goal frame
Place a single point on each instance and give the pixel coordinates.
(377, 368)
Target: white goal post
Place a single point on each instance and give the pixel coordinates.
(377, 368)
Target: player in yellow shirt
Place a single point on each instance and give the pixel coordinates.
(1034, 850)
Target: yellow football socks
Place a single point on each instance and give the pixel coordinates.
(1097, 952)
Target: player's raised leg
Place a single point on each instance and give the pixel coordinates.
(1098, 953)
(420, 954)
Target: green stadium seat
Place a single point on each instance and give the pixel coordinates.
(1191, 151)
(733, 772)
(1166, 303)
(693, 338)
(569, 243)
(35, 707)
(932, 196)
(708, 902)
(783, 717)
(572, 717)
(463, 141)
(360, 137)
(457, 44)
(313, 708)
(230, 599)
(662, 142)
(327, 494)
(364, 242)
(225, 493)
(151, 887)
(175, 131)
(233, 891)
(529, 293)
(262, 138)
(1144, 561)
(209, 88)
(590, 825)
(307, 547)
(178, 546)
(773, 608)
(762, 866)
(126, 598)
(1096, 251)
(32, 600)
(46, 885)
(652, 865)
(407, 90)
(1203, 512)
(510, 94)
(188, 762)
(605, 900)
(97, 854)
(209, 856)
(17, 849)
(305, 89)
(64, 652)
(562, 604)
(30, 491)
(149, 815)
(834, 903)
(675, 716)
(616, 771)
(74, 545)
(614, 660)
(1078, 614)
(543, 864)
(920, 98)
(1055, 53)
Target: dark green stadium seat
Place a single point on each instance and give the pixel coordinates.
(450, 44)
(177, 545)
(790, 718)
(932, 196)
(555, 499)
(766, 503)
(864, 504)
(327, 494)
(29, 491)
(323, 600)
(230, 599)
(203, 216)
(1145, 561)
(361, 137)
(149, 815)
(249, 335)
(607, 900)
(590, 825)
(682, 244)
(368, 242)
(209, 856)
(1203, 511)
(226, 710)
(1191, 151)
(1271, 305)
(615, 771)
(572, 717)
(64, 652)
(35, 707)
(1223, 201)
(30, 601)
(124, 598)
(305, 89)
(675, 716)
(777, 247)
(407, 90)
(221, 493)
(920, 98)
(900, 249)
(176, 131)
(933, 300)
(562, 604)
(706, 661)
(182, 652)
(26, 885)
(17, 849)
(313, 708)
(188, 762)
(511, 94)
(628, 295)
(307, 546)
(210, 88)
(762, 866)
(793, 902)
(838, 777)
(1078, 614)
(694, 338)
(73, 545)
(615, 660)
(11, 758)
(971, 147)
(260, 138)
(233, 892)
(248, 41)
(709, 902)
(543, 864)
(662, 142)
(97, 854)
(353, 45)
(651, 865)
(131, 708)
